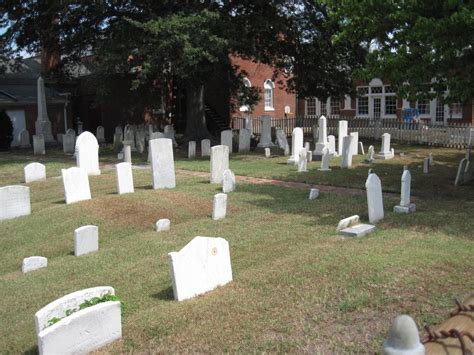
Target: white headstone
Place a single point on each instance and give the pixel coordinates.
(313, 193)
(201, 266)
(332, 145)
(127, 153)
(100, 134)
(355, 143)
(219, 206)
(325, 160)
(426, 165)
(244, 140)
(296, 145)
(24, 139)
(361, 148)
(228, 181)
(33, 263)
(307, 146)
(86, 240)
(309, 156)
(87, 153)
(373, 186)
(370, 154)
(205, 148)
(191, 150)
(403, 338)
(14, 201)
(69, 143)
(268, 153)
(38, 145)
(342, 132)
(162, 163)
(124, 178)
(76, 185)
(347, 222)
(266, 135)
(322, 136)
(34, 172)
(219, 163)
(226, 139)
(302, 161)
(281, 139)
(405, 205)
(43, 124)
(346, 152)
(386, 152)
(163, 225)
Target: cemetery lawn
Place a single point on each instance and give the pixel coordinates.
(298, 286)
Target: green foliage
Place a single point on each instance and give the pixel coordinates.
(6, 131)
(86, 304)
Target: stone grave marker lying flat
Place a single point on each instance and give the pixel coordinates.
(83, 331)
(76, 185)
(351, 227)
(14, 201)
(403, 338)
(33, 263)
(86, 240)
(34, 172)
(201, 266)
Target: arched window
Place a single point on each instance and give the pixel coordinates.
(269, 88)
(247, 83)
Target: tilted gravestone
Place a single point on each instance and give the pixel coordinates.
(162, 163)
(124, 178)
(219, 163)
(87, 153)
(201, 266)
(373, 186)
(14, 201)
(34, 172)
(76, 185)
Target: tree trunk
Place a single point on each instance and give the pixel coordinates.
(196, 128)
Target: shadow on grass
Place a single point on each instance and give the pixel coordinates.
(165, 294)
(31, 351)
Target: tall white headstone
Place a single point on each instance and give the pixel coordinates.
(14, 201)
(226, 139)
(385, 152)
(34, 172)
(191, 150)
(405, 205)
(373, 186)
(266, 136)
(296, 145)
(124, 176)
(162, 163)
(87, 153)
(38, 145)
(322, 136)
(332, 145)
(76, 185)
(244, 140)
(342, 132)
(201, 266)
(346, 152)
(219, 163)
(205, 148)
(355, 143)
(43, 124)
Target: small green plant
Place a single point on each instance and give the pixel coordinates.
(86, 304)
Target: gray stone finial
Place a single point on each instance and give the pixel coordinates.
(403, 338)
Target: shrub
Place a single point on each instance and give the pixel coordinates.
(6, 131)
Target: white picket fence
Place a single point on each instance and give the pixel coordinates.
(459, 135)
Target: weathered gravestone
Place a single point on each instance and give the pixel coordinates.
(14, 201)
(266, 135)
(168, 132)
(244, 140)
(69, 143)
(38, 145)
(127, 153)
(405, 205)
(346, 161)
(24, 139)
(228, 181)
(464, 173)
(361, 148)
(281, 139)
(296, 145)
(303, 161)
(82, 331)
(325, 160)
(191, 150)
(354, 143)
(332, 145)
(226, 139)
(43, 124)
(370, 154)
(163, 225)
(205, 148)
(33, 263)
(87, 153)
(124, 178)
(403, 338)
(313, 194)
(76, 185)
(219, 206)
(162, 163)
(219, 163)
(201, 266)
(86, 240)
(34, 172)
(373, 186)
(342, 132)
(385, 152)
(118, 145)
(268, 153)
(322, 137)
(351, 227)
(100, 134)
(140, 141)
(426, 165)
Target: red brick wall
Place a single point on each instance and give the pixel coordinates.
(257, 73)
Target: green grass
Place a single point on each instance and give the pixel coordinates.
(298, 286)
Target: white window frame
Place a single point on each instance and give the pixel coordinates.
(306, 104)
(269, 85)
(376, 83)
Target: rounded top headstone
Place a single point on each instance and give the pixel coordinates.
(88, 137)
(403, 338)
